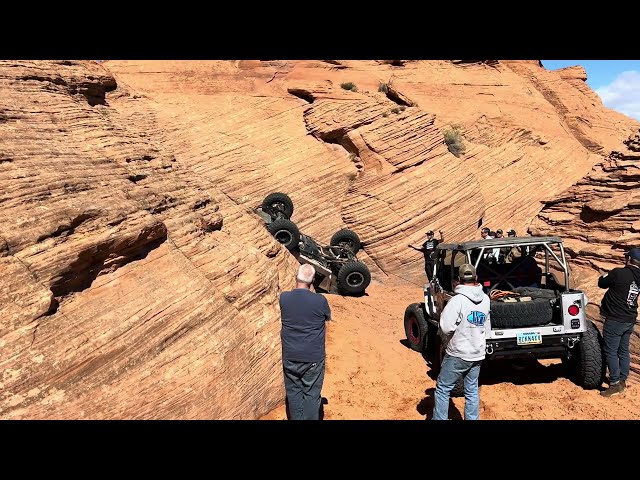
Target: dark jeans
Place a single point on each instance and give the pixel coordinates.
(616, 347)
(428, 268)
(303, 384)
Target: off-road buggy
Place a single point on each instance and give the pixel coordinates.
(532, 314)
(338, 270)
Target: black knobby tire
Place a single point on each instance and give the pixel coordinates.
(278, 202)
(534, 313)
(286, 232)
(587, 365)
(353, 278)
(415, 326)
(439, 351)
(346, 238)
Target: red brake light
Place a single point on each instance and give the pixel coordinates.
(573, 310)
(487, 284)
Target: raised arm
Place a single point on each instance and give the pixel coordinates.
(606, 280)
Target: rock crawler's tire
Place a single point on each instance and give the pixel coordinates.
(533, 313)
(587, 366)
(415, 327)
(286, 232)
(346, 238)
(353, 278)
(279, 201)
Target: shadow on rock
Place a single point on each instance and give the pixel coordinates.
(520, 372)
(425, 406)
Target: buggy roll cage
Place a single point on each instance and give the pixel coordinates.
(484, 245)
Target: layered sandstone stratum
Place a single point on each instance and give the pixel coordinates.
(135, 281)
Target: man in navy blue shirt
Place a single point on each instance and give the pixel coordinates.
(303, 334)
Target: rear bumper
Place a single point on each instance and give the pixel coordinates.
(552, 346)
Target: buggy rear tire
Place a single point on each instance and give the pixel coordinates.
(587, 366)
(346, 238)
(285, 232)
(353, 278)
(416, 327)
(278, 202)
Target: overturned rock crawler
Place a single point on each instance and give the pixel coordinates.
(337, 268)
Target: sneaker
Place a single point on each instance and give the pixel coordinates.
(624, 384)
(614, 389)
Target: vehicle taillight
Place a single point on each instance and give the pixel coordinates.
(487, 284)
(573, 310)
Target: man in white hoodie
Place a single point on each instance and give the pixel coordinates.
(463, 323)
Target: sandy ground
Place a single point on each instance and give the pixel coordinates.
(371, 374)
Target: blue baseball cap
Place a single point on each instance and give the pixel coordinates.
(634, 253)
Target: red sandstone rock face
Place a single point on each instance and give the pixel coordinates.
(139, 285)
(599, 219)
(372, 158)
(131, 286)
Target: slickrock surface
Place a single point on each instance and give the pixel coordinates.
(136, 283)
(165, 290)
(373, 158)
(599, 219)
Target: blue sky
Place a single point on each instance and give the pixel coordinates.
(617, 82)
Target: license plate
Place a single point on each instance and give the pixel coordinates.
(529, 338)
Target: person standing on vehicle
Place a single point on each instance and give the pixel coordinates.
(619, 309)
(303, 336)
(463, 323)
(499, 253)
(428, 248)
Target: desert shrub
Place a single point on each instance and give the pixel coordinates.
(453, 139)
(349, 86)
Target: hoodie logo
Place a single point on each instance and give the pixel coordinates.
(476, 318)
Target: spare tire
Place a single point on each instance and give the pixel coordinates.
(278, 202)
(286, 232)
(353, 278)
(533, 313)
(346, 238)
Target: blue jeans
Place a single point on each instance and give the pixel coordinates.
(616, 347)
(303, 384)
(451, 370)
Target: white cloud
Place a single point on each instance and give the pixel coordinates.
(623, 94)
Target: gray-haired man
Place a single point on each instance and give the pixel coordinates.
(303, 333)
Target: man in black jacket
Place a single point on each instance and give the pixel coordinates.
(428, 248)
(619, 308)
